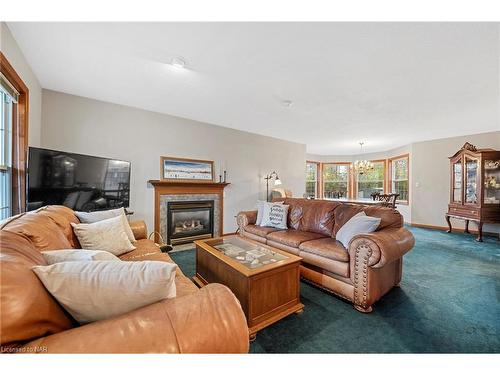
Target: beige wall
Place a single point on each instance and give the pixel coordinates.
(10, 49)
(430, 192)
(86, 126)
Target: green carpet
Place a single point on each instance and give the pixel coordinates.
(448, 302)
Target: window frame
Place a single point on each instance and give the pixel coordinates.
(390, 160)
(318, 177)
(349, 178)
(19, 137)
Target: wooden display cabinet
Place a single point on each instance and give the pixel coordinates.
(474, 187)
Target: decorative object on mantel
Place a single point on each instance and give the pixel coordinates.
(362, 166)
(186, 191)
(165, 248)
(277, 182)
(192, 170)
(475, 187)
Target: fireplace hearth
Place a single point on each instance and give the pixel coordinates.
(189, 220)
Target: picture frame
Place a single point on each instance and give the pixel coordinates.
(186, 170)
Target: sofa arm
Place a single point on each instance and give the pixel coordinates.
(246, 217)
(139, 229)
(381, 248)
(208, 321)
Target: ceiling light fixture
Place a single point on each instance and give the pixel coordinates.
(363, 166)
(178, 62)
(286, 103)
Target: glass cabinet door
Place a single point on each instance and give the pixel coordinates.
(491, 182)
(471, 180)
(457, 182)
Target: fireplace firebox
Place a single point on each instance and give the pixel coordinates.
(189, 220)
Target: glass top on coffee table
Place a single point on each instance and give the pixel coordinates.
(248, 254)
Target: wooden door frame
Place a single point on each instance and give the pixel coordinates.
(19, 136)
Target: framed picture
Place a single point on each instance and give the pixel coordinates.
(192, 170)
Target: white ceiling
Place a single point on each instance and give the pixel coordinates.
(388, 84)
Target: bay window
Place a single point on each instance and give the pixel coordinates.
(312, 172)
(399, 177)
(371, 182)
(336, 180)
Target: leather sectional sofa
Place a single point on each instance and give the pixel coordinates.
(206, 320)
(364, 272)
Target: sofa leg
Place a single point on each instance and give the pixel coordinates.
(367, 310)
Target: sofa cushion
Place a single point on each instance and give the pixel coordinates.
(148, 250)
(40, 230)
(102, 289)
(311, 215)
(327, 248)
(390, 218)
(292, 238)
(27, 309)
(108, 235)
(333, 266)
(63, 217)
(259, 231)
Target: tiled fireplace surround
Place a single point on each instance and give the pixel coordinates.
(165, 199)
(166, 191)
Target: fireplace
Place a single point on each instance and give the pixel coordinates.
(189, 220)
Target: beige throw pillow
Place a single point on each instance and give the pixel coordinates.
(95, 216)
(92, 291)
(74, 255)
(107, 235)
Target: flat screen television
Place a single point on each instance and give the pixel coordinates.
(80, 182)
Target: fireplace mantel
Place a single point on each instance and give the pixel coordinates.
(202, 185)
(176, 188)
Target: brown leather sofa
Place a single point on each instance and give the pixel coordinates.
(206, 320)
(364, 272)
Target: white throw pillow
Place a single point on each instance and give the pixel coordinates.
(358, 224)
(74, 255)
(107, 235)
(98, 290)
(260, 209)
(95, 216)
(275, 215)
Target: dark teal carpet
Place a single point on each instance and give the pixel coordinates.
(448, 302)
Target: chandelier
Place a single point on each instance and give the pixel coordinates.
(362, 166)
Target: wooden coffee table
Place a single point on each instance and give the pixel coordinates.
(265, 280)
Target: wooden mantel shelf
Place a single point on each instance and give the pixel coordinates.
(221, 185)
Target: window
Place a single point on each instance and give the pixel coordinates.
(373, 181)
(336, 180)
(399, 177)
(312, 179)
(6, 120)
(14, 104)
